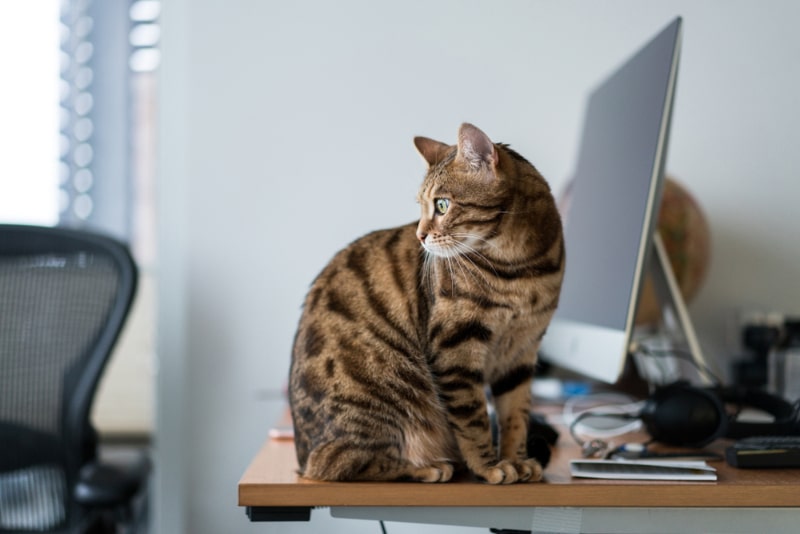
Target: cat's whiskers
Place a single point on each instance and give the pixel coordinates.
(473, 250)
(473, 268)
(458, 259)
(455, 257)
(476, 237)
(433, 262)
(428, 266)
(449, 260)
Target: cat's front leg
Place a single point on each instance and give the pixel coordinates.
(462, 390)
(512, 400)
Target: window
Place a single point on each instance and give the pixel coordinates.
(77, 148)
(29, 149)
(108, 57)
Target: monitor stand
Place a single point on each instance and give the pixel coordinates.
(675, 321)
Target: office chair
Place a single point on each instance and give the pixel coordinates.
(64, 297)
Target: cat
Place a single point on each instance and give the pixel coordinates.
(402, 332)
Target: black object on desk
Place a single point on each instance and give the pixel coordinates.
(765, 451)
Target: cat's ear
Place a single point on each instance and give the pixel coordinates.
(475, 148)
(431, 151)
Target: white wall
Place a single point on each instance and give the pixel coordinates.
(286, 132)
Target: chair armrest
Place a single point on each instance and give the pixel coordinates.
(109, 485)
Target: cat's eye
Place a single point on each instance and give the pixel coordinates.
(441, 205)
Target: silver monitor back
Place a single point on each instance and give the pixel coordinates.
(612, 207)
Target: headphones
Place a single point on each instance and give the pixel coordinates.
(683, 415)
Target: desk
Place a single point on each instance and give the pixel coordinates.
(765, 501)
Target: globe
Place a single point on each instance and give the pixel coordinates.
(685, 232)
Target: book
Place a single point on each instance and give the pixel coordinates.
(643, 470)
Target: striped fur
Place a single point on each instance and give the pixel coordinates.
(405, 329)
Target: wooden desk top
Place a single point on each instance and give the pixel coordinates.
(271, 481)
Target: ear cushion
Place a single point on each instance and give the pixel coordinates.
(785, 421)
(681, 415)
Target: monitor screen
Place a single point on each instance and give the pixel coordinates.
(609, 211)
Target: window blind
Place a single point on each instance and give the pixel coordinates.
(105, 45)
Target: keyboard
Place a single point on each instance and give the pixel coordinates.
(765, 452)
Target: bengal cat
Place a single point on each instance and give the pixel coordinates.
(403, 330)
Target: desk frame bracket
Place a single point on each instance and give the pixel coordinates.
(591, 520)
(278, 513)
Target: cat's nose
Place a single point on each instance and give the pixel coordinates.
(421, 236)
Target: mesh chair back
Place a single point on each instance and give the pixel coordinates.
(64, 296)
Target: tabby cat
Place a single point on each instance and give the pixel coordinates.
(403, 330)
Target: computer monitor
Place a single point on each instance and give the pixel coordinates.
(611, 212)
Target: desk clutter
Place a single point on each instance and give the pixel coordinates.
(680, 416)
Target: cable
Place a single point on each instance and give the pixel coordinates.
(681, 354)
(383, 526)
(602, 402)
(597, 446)
(608, 406)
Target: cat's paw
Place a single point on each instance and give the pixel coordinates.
(438, 472)
(528, 470)
(503, 472)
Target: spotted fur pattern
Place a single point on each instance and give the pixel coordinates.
(405, 328)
